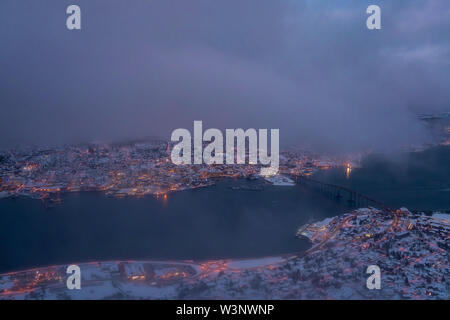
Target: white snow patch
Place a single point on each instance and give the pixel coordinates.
(439, 215)
(253, 263)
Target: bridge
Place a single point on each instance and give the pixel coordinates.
(351, 198)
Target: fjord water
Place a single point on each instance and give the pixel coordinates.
(416, 180)
(207, 223)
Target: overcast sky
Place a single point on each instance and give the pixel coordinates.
(146, 67)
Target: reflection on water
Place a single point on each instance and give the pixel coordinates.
(348, 171)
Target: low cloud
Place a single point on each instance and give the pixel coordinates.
(311, 69)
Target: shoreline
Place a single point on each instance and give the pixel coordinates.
(343, 246)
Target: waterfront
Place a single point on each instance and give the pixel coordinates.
(411, 249)
(207, 223)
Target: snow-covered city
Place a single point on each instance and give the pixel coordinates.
(228, 157)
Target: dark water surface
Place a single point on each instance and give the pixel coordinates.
(418, 181)
(212, 222)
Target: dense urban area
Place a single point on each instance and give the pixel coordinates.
(145, 167)
(131, 169)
